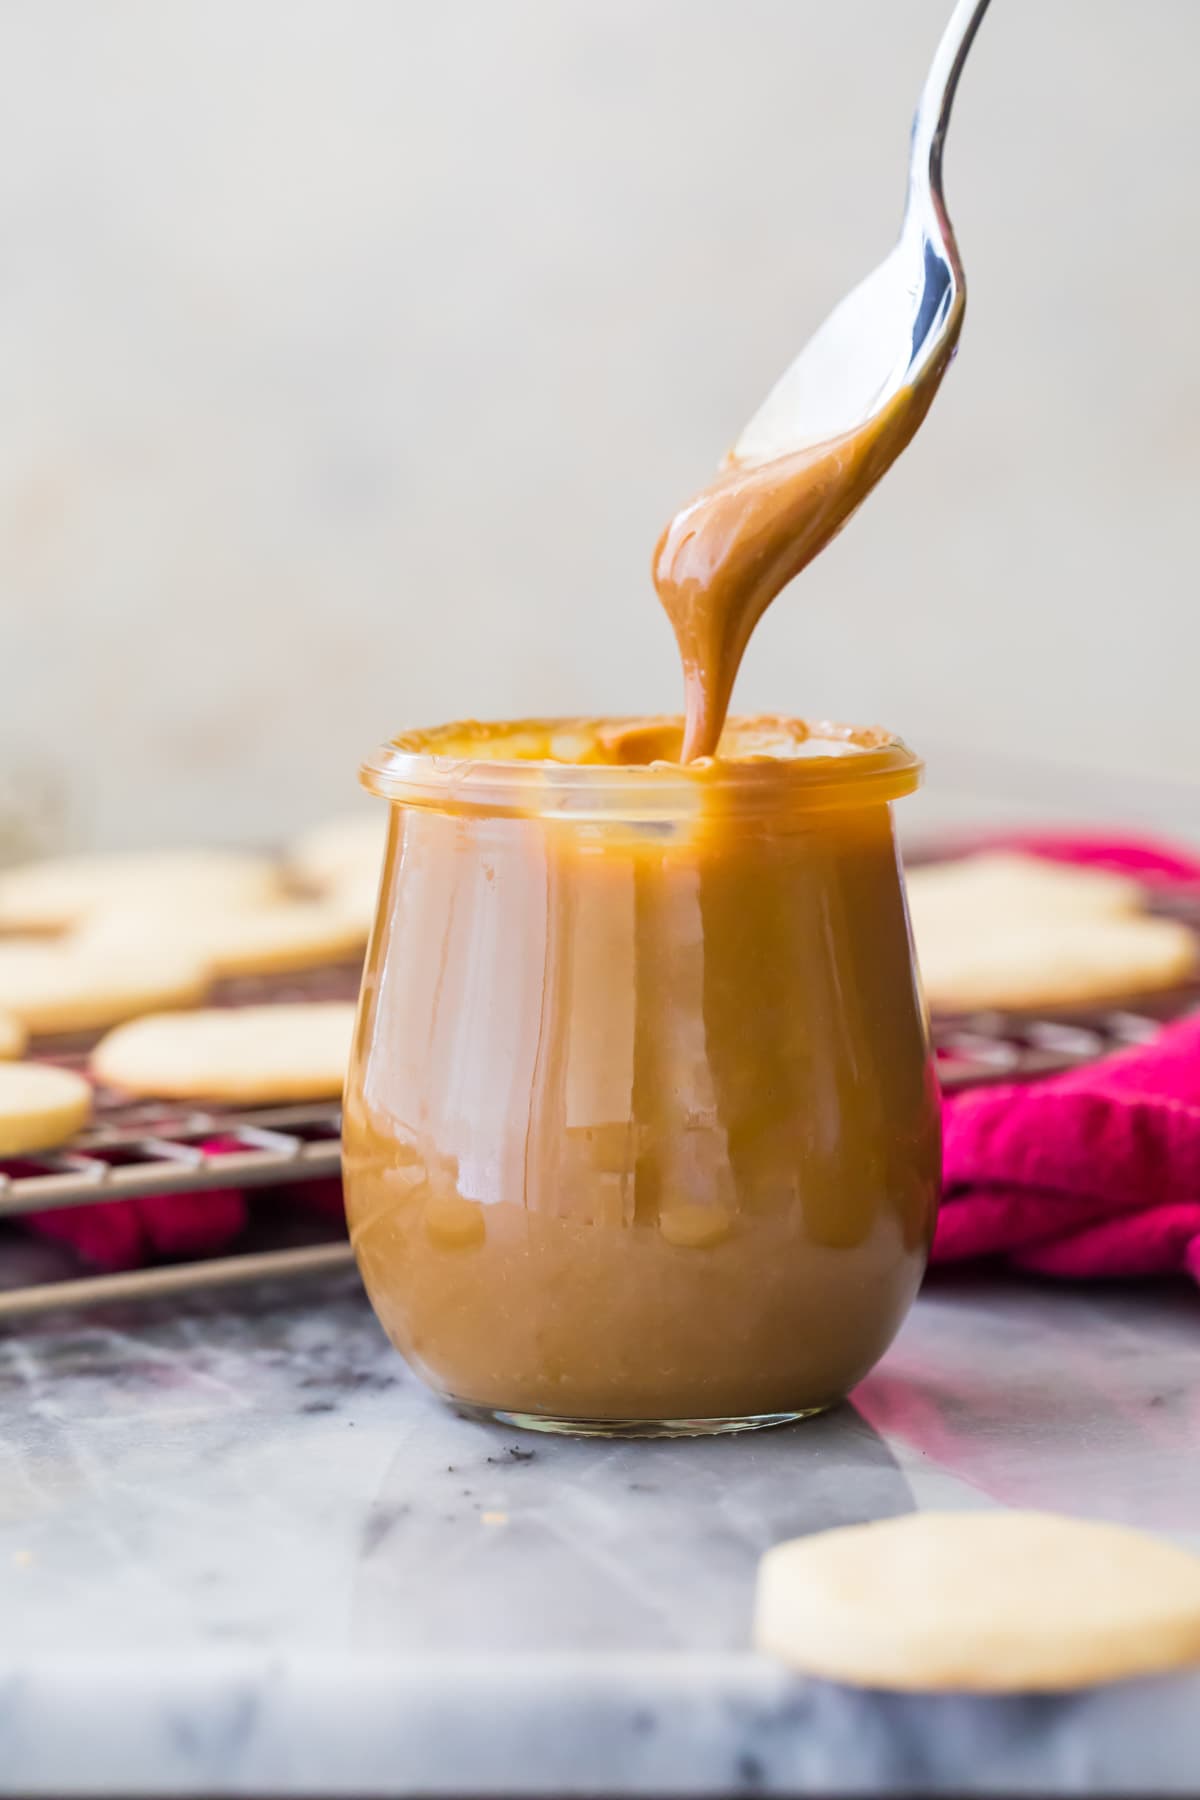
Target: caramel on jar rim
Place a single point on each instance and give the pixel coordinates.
(577, 766)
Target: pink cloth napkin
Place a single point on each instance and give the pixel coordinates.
(124, 1234)
(1093, 1173)
(1148, 859)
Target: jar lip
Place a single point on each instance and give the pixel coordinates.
(871, 766)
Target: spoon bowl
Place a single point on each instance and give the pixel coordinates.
(904, 319)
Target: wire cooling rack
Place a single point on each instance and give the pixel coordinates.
(134, 1149)
(141, 1147)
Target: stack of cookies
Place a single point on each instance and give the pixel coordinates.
(1006, 932)
(137, 941)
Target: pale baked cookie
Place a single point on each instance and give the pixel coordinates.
(52, 987)
(1006, 885)
(981, 1602)
(13, 1036)
(258, 940)
(300, 934)
(341, 850)
(59, 893)
(40, 1106)
(356, 899)
(248, 1054)
(1025, 964)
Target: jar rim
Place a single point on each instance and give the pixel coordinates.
(871, 766)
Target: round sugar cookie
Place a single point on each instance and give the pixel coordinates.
(1024, 964)
(40, 1106)
(340, 850)
(356, 898)
(979, 1602)
(57, 894)
(52, 987)
(257, 940)
(246, 1054)
(13, 1036)
(1006, 885)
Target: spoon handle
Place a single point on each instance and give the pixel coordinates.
(937, 96)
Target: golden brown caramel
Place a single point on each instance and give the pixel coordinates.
(730, 551)
(630, 744)
(641, 1125)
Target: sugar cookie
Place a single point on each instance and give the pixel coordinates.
(341, 850)
(40, 1106)
(56, 894)
(52, 987)
(249, 1054)
(258, 940)
(981, 1602)
(13, 1036)
(1051, 962)
(1006, 885)
(356, 898)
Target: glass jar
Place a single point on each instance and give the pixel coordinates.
(641, 1130)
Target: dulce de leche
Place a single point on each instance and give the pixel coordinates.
(727, 554)
(641, 1130)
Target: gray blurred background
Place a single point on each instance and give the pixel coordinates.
(354, 352)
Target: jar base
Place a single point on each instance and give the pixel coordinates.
(636, 1428)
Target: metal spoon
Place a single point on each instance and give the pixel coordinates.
(901, 320)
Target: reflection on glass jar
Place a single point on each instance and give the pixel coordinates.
(641, 1127)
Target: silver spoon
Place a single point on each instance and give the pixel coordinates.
(904, 318)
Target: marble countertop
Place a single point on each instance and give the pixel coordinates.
(243, 1552)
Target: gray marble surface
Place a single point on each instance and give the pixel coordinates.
(243, 1552)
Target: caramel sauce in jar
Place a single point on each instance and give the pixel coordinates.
(641, 1129)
